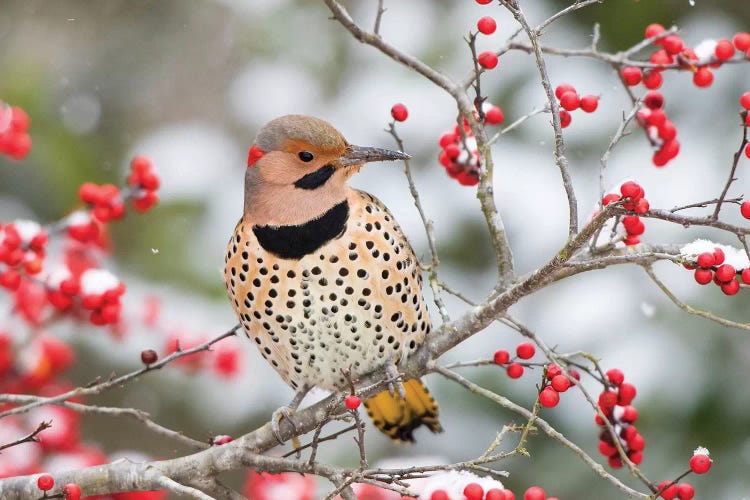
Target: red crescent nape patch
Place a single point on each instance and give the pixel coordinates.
(253, 155)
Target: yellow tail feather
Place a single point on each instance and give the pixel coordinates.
(398, 417)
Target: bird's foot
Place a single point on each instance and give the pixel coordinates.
(394, 380)
(281, 413)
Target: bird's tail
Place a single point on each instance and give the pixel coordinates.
(397, 417)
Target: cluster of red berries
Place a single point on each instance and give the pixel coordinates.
(660, 130)
(674, 51)
(614, 403)
(699, 463)
(710, 266)
(108, 202)
(22, 247)
(633, 195)
(71, 491)
(555, 382)
(100, 293)
(15, 141)
(459, 155)
(474, 491)
(144, 182)
(570, 101)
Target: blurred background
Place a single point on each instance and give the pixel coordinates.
(189, 83)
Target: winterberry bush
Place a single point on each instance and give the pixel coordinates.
(604, 156)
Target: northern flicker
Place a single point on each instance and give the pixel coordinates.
(321, 275)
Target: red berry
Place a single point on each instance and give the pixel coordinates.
(487, 25)
(667, 131)
(741, 41)
(495, 494)
(745, 100)
(589, 103)
(222, 439)
(703, 77)
(570, 100)
(625, 393)
(483, 2)
(700, 463)
(669, 493)
(706, 259)
(534, 493)
(562, 88)
(615, 462)
(509, 495)
(746, 276)
(730, 287)
(549, 397)
(606, 449)
(672, 44)
(631, 75)
(439, 495)
(747, 148)
(718, 256)
(725, 273)
(653, 30)
(724, 50)
(494, 116)
(560, 383)
(565, 118)
(501, 357)
(661, 57)
(685, 491)
(653, 79)
(10, 279)
(473, 491)
(514, 370)
(447, 139)
(703, 276)
(149, 356)
(636, 457)
(553, 371)
(607, 400)
(630, 189)
(629, 414)
(636, 442)
(609, 198)
(352, 402)
(525, 350)
(615, 376)
(45, 482)
(574, 373)
(72, 491)
(399, 112)
(654, 100)
(487, 59)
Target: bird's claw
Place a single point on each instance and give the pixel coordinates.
(394, 380)
(281, 413)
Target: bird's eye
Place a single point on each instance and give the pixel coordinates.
(306, 156)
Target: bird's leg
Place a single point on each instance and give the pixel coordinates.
(287, 411)
(394, 379)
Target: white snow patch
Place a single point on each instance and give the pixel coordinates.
(98, 281)
(27, 229)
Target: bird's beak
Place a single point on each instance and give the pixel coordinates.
(357, 155)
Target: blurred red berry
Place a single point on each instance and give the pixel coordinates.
(631, 75)
(653, 30)
(352, 402)
(501, 357)
(724, 50)
(45, 482)
(562, 88)
(534, 493)
(565, 118)
(741, 41)
(473, 491)
(589, 103)
(72, 491)
(487, 59)
(514, 370)
(525, 350)
(703, 77)
(399, 112)
(487, 25)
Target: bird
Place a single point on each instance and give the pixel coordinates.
(322, 277)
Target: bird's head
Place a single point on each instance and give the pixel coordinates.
(298, 167)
